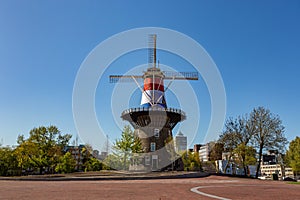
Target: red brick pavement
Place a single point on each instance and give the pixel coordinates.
(164, 189)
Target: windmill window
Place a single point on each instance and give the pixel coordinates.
(156, 132)
(152, 146)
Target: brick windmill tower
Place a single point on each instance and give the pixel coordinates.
(154, 121)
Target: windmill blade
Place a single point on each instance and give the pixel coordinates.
(169, 75)
(152, 50)
(123, 78)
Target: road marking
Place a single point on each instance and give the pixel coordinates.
(195, 189)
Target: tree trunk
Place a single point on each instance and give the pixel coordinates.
(124, 164)
(259, 161)
(245, 170)
(243, 163)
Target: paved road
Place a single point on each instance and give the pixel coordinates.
(212, 187)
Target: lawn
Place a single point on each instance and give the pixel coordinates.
(295, 183)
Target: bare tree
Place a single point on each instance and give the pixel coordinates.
(237, 132)
(268, 132)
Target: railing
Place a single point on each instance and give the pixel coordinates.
(174, 110)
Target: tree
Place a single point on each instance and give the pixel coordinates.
(89, 162)
(113, 161)
(42, 149)
(293, 155)
(216, 149)
(191, 161)
(268, 132)
(8, 162)
(244, 156)
(95, 164)
(235, 138)
(172, 155)
(86, 151)
(24, 153)
(66, 164)
(124, 148)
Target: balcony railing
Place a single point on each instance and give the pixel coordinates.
(174, 110)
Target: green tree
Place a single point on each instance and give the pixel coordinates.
(124, 148)
(244, 156)
(236, 137)
(8, 162)
(172, 155)
(66, 164)
(24, 153)
(86, 151)
(293, 155)
(113, 161)
(89, 162)
(93, 164)
(268, 132)
(216, 149)
(42, 149)
(191, 161)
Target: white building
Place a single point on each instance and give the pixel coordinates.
(180, 142)
(204, 153)
(268, 171)
(270, 166)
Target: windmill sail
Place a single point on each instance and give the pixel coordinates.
(153, 91)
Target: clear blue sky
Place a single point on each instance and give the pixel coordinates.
(255, 45)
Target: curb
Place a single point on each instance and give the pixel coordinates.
(103, 178)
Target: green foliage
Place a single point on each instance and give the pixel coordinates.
(235, 138)
(124, 148)
(129, 142)
(294, 183)
(244, 156)
(8, 162)
(89, 162)
(42, 150)
(191, 161)
(66, 164)
(172, 155)
(95, 164)
(113, 161)
(262, 129)
(293, 155)
(86, 152)
(216, 150)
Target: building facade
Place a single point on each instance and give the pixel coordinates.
(180, 142)
(204, 153)
(270, 166)
(267, 171)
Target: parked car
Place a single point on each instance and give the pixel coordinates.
(289, 179)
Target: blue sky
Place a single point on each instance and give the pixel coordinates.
(255, 45)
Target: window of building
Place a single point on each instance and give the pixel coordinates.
(152, 146)
(156, 132)
(147, 160)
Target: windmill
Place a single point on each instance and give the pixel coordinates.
(153, 121)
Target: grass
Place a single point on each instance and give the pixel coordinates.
(294, 183)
